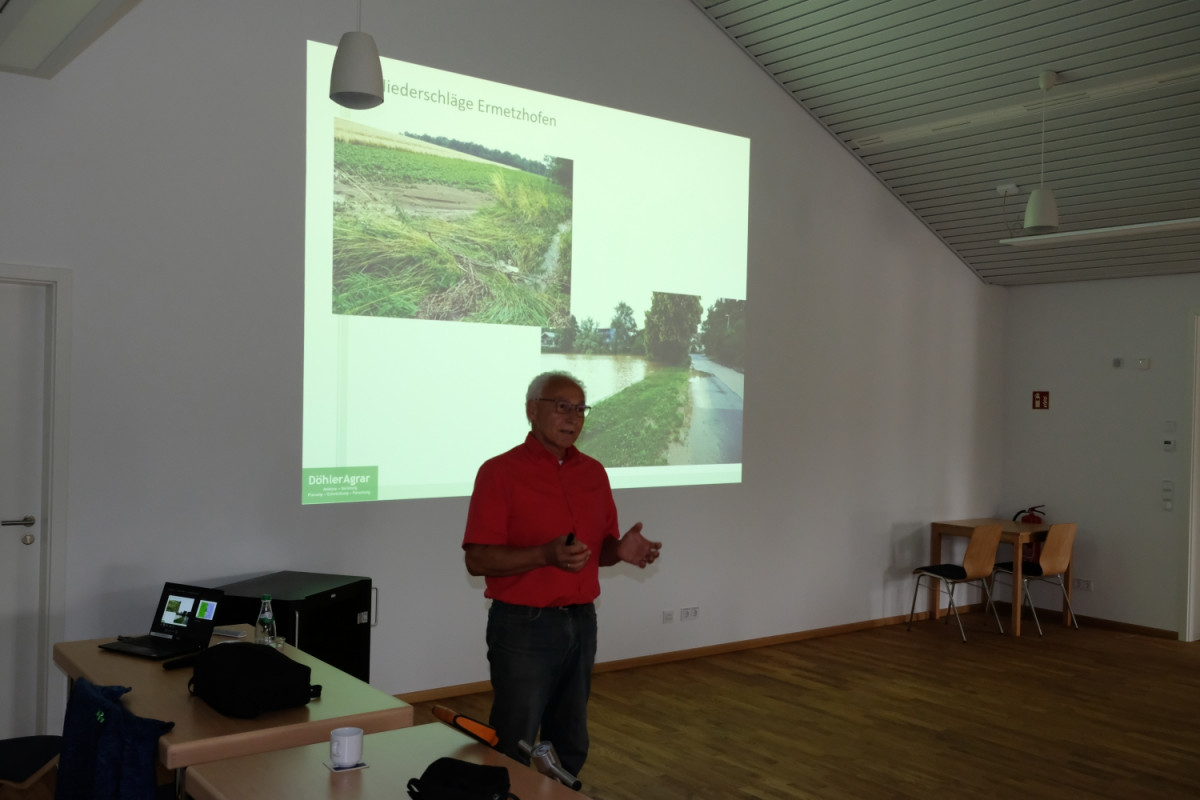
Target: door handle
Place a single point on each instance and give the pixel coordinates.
(28, 521)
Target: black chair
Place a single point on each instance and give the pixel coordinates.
(976, 568)
(26, 759)
(1051, 566)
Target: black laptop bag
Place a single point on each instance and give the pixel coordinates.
(454, 779)
(243, 679)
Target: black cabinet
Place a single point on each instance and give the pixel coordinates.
(326, 616)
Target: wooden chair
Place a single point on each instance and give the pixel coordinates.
(976, 568)
(25, 760)
(1051, 566)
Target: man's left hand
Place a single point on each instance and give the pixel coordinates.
(636, 549)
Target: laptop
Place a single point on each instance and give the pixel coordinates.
(183, 623)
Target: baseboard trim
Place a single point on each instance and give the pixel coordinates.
(1053, 614)
(430, 695)
(1125, 627)
(441, 693)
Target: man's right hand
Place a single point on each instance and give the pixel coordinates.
(567, 552)
(498, 560)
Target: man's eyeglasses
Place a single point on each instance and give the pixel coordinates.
(563, 407)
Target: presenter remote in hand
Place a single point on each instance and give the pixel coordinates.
(542, 521)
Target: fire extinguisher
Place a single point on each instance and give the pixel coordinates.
(1033, 515)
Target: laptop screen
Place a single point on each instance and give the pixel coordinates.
(185, 612)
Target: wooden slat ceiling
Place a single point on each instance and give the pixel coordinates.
(940, 100)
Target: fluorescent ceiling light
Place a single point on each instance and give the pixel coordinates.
(984, 115)
(1071, 237)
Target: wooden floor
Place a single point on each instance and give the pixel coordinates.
(887, 713)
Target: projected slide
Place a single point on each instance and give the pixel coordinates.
(466, 236)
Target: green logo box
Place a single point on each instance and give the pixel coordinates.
(340, 484)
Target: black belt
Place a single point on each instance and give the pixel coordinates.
(571, 607)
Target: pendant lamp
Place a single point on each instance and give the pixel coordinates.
(1041, 213)
(357, 77)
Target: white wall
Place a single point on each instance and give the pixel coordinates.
(165, 167)
(1096, 456)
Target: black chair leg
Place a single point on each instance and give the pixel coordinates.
(954, 608)
(912, 610)
(992, 606)
(1032, 610)
(1067, 599)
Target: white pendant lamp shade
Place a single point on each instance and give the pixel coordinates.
(357, 77)
(1041, 213)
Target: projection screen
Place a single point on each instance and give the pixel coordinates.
(467, 235)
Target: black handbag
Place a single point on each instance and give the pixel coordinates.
(454, 779)
(244, 679)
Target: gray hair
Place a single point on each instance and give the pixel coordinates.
(539, 383)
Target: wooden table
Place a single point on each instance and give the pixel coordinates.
(1015, 533)
(201, 734)
(392, 758)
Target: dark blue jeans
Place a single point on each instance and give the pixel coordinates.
(541, 663)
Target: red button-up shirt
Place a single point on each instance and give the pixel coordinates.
(525, 498)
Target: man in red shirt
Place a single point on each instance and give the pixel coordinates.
(542, 522)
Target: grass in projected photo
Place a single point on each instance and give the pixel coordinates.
(640, 425)
(429, 228)
(669, 393)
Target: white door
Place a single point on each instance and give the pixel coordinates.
(22, 387)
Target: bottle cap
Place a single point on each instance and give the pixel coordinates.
(266, 597)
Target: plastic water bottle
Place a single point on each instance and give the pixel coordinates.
(264, 632)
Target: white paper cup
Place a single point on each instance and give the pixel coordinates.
(345, 747)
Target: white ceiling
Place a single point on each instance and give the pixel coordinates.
(40, 37)
(940, 100)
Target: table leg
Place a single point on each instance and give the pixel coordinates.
(1017, 586)
(935, 557)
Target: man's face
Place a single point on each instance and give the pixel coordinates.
(554, 430)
